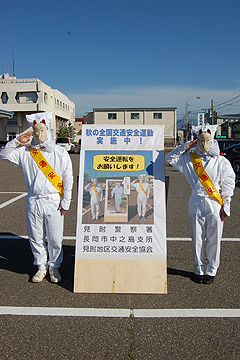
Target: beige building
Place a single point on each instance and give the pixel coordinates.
(229, 126)
(28, 96)
(138, 116)
(78, 127)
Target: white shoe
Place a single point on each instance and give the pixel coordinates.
(39, 276)
(55, 277)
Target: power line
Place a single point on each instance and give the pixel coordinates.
(232, 104)
(226, 102)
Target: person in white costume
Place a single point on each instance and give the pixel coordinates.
(206, 214)
(143, 190)
(45, 207)
(96, 194)
(117, 191)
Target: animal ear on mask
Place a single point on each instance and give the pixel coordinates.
(34, 122)
(209, 131)
(43, 122)
(200, 131)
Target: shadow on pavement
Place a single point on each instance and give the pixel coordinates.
(16, 256)
(188, 274)
(67, 267)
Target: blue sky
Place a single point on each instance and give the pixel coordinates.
(125, 53)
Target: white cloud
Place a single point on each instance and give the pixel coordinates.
(155, 96)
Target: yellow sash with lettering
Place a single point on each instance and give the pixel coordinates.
(204, 178)
(141, 187)
(48, 171)
(95, 190)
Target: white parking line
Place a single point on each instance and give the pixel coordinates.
(124, 313)
(183, 313)
(11, 192)
(85, 211)
(12, 200)
(189, 239)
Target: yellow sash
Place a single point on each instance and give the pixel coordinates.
(204, 178)
(141, 187)
(95, 190)
(47, 169)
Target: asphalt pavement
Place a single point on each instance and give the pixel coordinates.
(191, 321)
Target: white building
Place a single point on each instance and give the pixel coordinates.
(28, 96)
(138, 116)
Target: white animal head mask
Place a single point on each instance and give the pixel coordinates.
(41, 125)
(205, 141)
(40, 132)
(43, 136)
(205, 136)
(37, 118)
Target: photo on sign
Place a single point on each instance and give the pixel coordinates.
(118, 187)
(116, 201)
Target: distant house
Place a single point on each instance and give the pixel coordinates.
(229, 126)
(138, 116)
(27, 96)
(78, 127)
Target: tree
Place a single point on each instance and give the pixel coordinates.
(66, 131)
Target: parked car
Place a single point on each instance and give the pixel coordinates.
(66, 143)
(223, 143)
(232, 153)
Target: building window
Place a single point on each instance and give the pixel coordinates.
(135, 116)
(26, 97)
(11, 136)
(157, 115)
(112, 116)
(4, 98)
(13, 120)
(45, 98)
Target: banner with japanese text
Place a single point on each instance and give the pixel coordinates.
(121, 203)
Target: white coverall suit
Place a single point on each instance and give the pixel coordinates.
(43, 215)
(204, 211)
(142, 197)
(117, 191)
(95, 200)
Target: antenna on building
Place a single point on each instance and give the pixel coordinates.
(13, 61)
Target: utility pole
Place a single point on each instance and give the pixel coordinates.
(212, 122)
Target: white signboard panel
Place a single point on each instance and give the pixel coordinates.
(121, 221)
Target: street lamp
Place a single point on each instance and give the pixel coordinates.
(187, 125)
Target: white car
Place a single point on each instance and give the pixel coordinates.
(66, 144)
